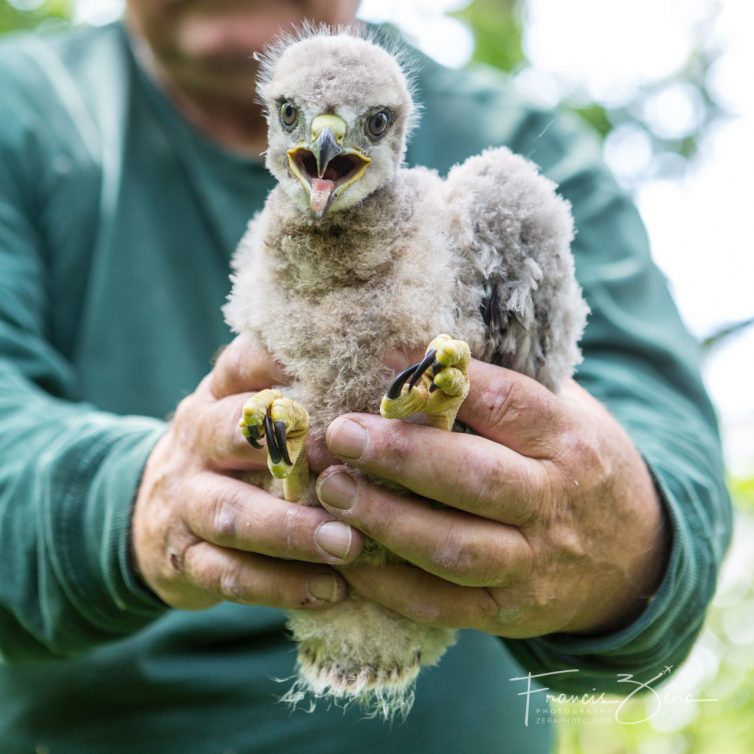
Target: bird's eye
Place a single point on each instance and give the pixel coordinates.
(288, 114)
(378, 123)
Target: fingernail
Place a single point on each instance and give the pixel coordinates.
(279, 373)
(347, 438)
(337, 490)
(323, 586)
(335, 538)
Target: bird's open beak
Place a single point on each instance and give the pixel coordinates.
(324, 167)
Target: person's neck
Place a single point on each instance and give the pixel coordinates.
(236, 125)
(234, 121)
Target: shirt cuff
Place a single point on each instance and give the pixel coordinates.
(91, 530)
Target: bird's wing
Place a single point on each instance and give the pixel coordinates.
(517, 292)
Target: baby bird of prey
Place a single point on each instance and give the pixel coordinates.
(355, 256)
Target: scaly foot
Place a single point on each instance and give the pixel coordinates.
(437, 385)
(284, 424)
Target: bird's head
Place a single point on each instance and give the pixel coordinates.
(338, 110)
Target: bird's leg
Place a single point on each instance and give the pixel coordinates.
(284, 424)
(436, 386)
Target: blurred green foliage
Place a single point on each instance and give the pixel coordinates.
(722, 334)
(32, 14)
(742, 490)
(499, 28)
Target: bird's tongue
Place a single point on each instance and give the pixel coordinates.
(321, 190)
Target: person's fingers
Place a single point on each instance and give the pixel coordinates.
(244, 366)
(212, 429)
(257, 580)
(461, 470)
(424, 598)
(514, 410)
(448, 543)
(232, 514)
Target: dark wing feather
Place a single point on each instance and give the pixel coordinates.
(517, 290)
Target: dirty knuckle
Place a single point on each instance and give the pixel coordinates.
(224, 523)
(230, 583)
(475, 563)
(476, 566)
(427, 613)
(498, 403)
(461, 561)
(492, 481)
(448, 558)
(482, 482)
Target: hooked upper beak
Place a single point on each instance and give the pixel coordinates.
(327, 136)
(324, 166)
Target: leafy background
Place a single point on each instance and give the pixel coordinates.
(663, 135)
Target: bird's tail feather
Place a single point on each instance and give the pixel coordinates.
(359, 653)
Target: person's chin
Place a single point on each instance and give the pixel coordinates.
(223, 39)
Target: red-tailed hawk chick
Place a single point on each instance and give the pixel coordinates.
(354, 256)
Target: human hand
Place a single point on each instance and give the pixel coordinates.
(554, 524)
(201, 535)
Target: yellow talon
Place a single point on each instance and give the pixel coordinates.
(284, 424)
(437, 392)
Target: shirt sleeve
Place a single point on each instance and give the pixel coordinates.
(68, 472)
(640, 361)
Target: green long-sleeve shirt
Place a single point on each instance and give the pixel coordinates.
(117, 222)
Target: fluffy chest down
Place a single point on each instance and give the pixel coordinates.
(331, 301)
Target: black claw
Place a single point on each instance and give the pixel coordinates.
(421, 367)
(272, 448)
(253, 437)
(282, 446)
(415, 371)
(436, 367)
(433, 387)
(395, 389)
